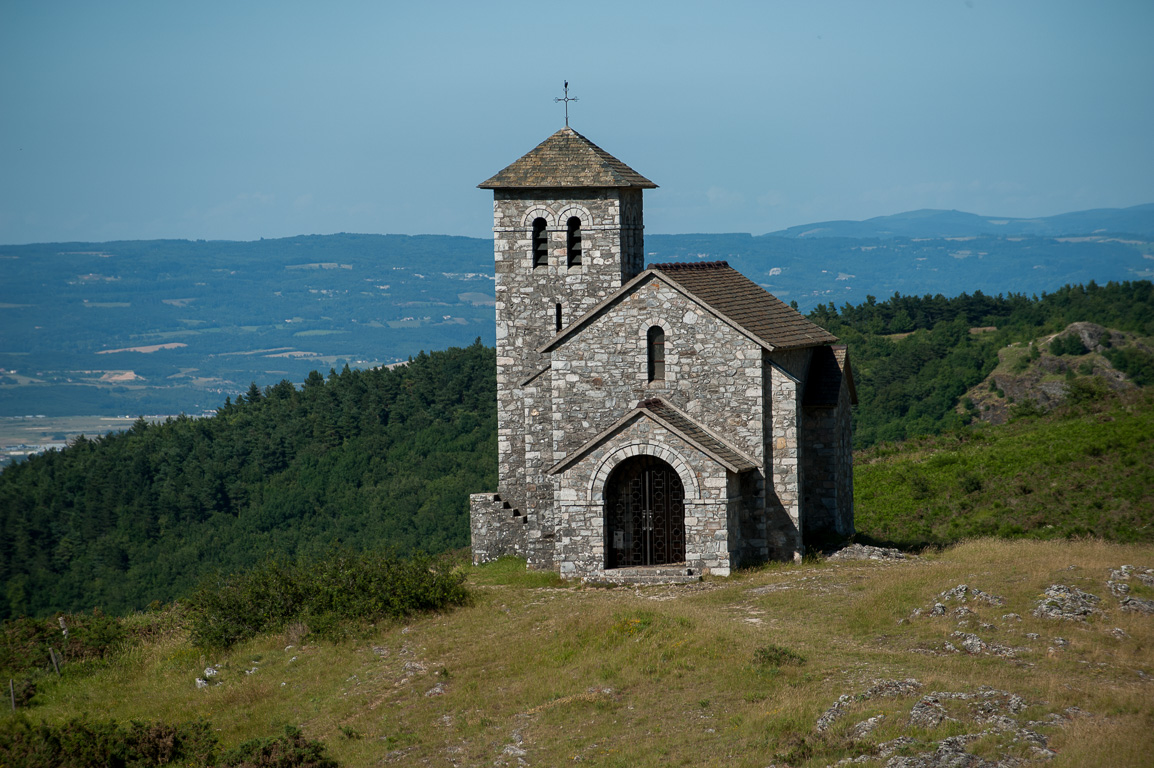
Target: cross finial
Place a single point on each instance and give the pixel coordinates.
(567, 99)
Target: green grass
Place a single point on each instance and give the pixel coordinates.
(726, 672)
(1081, 471)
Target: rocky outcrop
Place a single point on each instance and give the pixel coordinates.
(1031, 373)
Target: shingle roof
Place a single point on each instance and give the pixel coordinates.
(746, 304)
(696, 433)
(567, 159)
(676, 421)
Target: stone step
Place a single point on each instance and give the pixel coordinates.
(652, 574)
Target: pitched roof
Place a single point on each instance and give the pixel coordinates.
(695, 433)
(677, 422)
(746, 304)
(730, 295)
(826, 371)
(567, 159)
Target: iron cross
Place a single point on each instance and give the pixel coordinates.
(567, 99)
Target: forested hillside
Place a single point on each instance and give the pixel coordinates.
(368, 459)
(386, 458)
(915, 357)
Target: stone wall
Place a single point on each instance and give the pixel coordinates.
(828, 492)
(497, 528)
(784, 379)
(711, 493)
(527, 298)
(712, 372)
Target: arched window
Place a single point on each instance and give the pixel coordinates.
(558, 318)
(655, 345)
(540, 243)
(573, 242)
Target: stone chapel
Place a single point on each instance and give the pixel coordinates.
(662, 422)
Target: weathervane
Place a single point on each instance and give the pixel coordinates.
(567, 99)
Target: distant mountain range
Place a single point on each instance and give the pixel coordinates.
(163, 326)
(928, 222)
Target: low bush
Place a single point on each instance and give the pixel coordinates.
(774, 656)
(24, 642)
(1069, 344)
(81, 744)
(292, 750)
(344, 587)
(102, 743)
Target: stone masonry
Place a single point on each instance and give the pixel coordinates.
(747, 407)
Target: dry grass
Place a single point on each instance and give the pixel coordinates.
(673, 675)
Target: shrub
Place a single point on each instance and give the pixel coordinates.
(920, 487)
(776, 656)
(101, 743)
(1134, 362)
(1069, 344)
(970, 482)
(24, 642)
(324, 594)
(289, 751)
(1025, 409)
(1086, 389)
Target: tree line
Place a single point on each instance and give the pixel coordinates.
(385, 459)
(368, 459)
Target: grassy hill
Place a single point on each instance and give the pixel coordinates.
(790, 665)
(1083, 470)
(798, 665)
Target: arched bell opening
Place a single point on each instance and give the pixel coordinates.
(644, 514)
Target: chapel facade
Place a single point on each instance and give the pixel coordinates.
(676, 420)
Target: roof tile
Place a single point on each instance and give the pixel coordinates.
(746, 303)
(567, 159)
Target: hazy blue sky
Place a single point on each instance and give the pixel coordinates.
(240, 120)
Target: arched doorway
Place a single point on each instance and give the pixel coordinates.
(644, 514)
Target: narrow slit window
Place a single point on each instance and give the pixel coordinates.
(540, 243)
(558, 312)
(573, 242)
(655, 343)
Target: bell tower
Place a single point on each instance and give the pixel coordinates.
(567, 233)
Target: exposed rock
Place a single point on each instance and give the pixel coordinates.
(1137, 605)
(1118, 588)
(928, 713)
(1119, 633)
(885, 749)
(1122, 573)
(951, 753)
(865, 552)
(880, 689)
(975, 645)
(892, 688)
(971, 643)
(957, 593)
(1063, 602)
(865, 727)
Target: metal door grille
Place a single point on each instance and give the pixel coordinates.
(645, 514)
